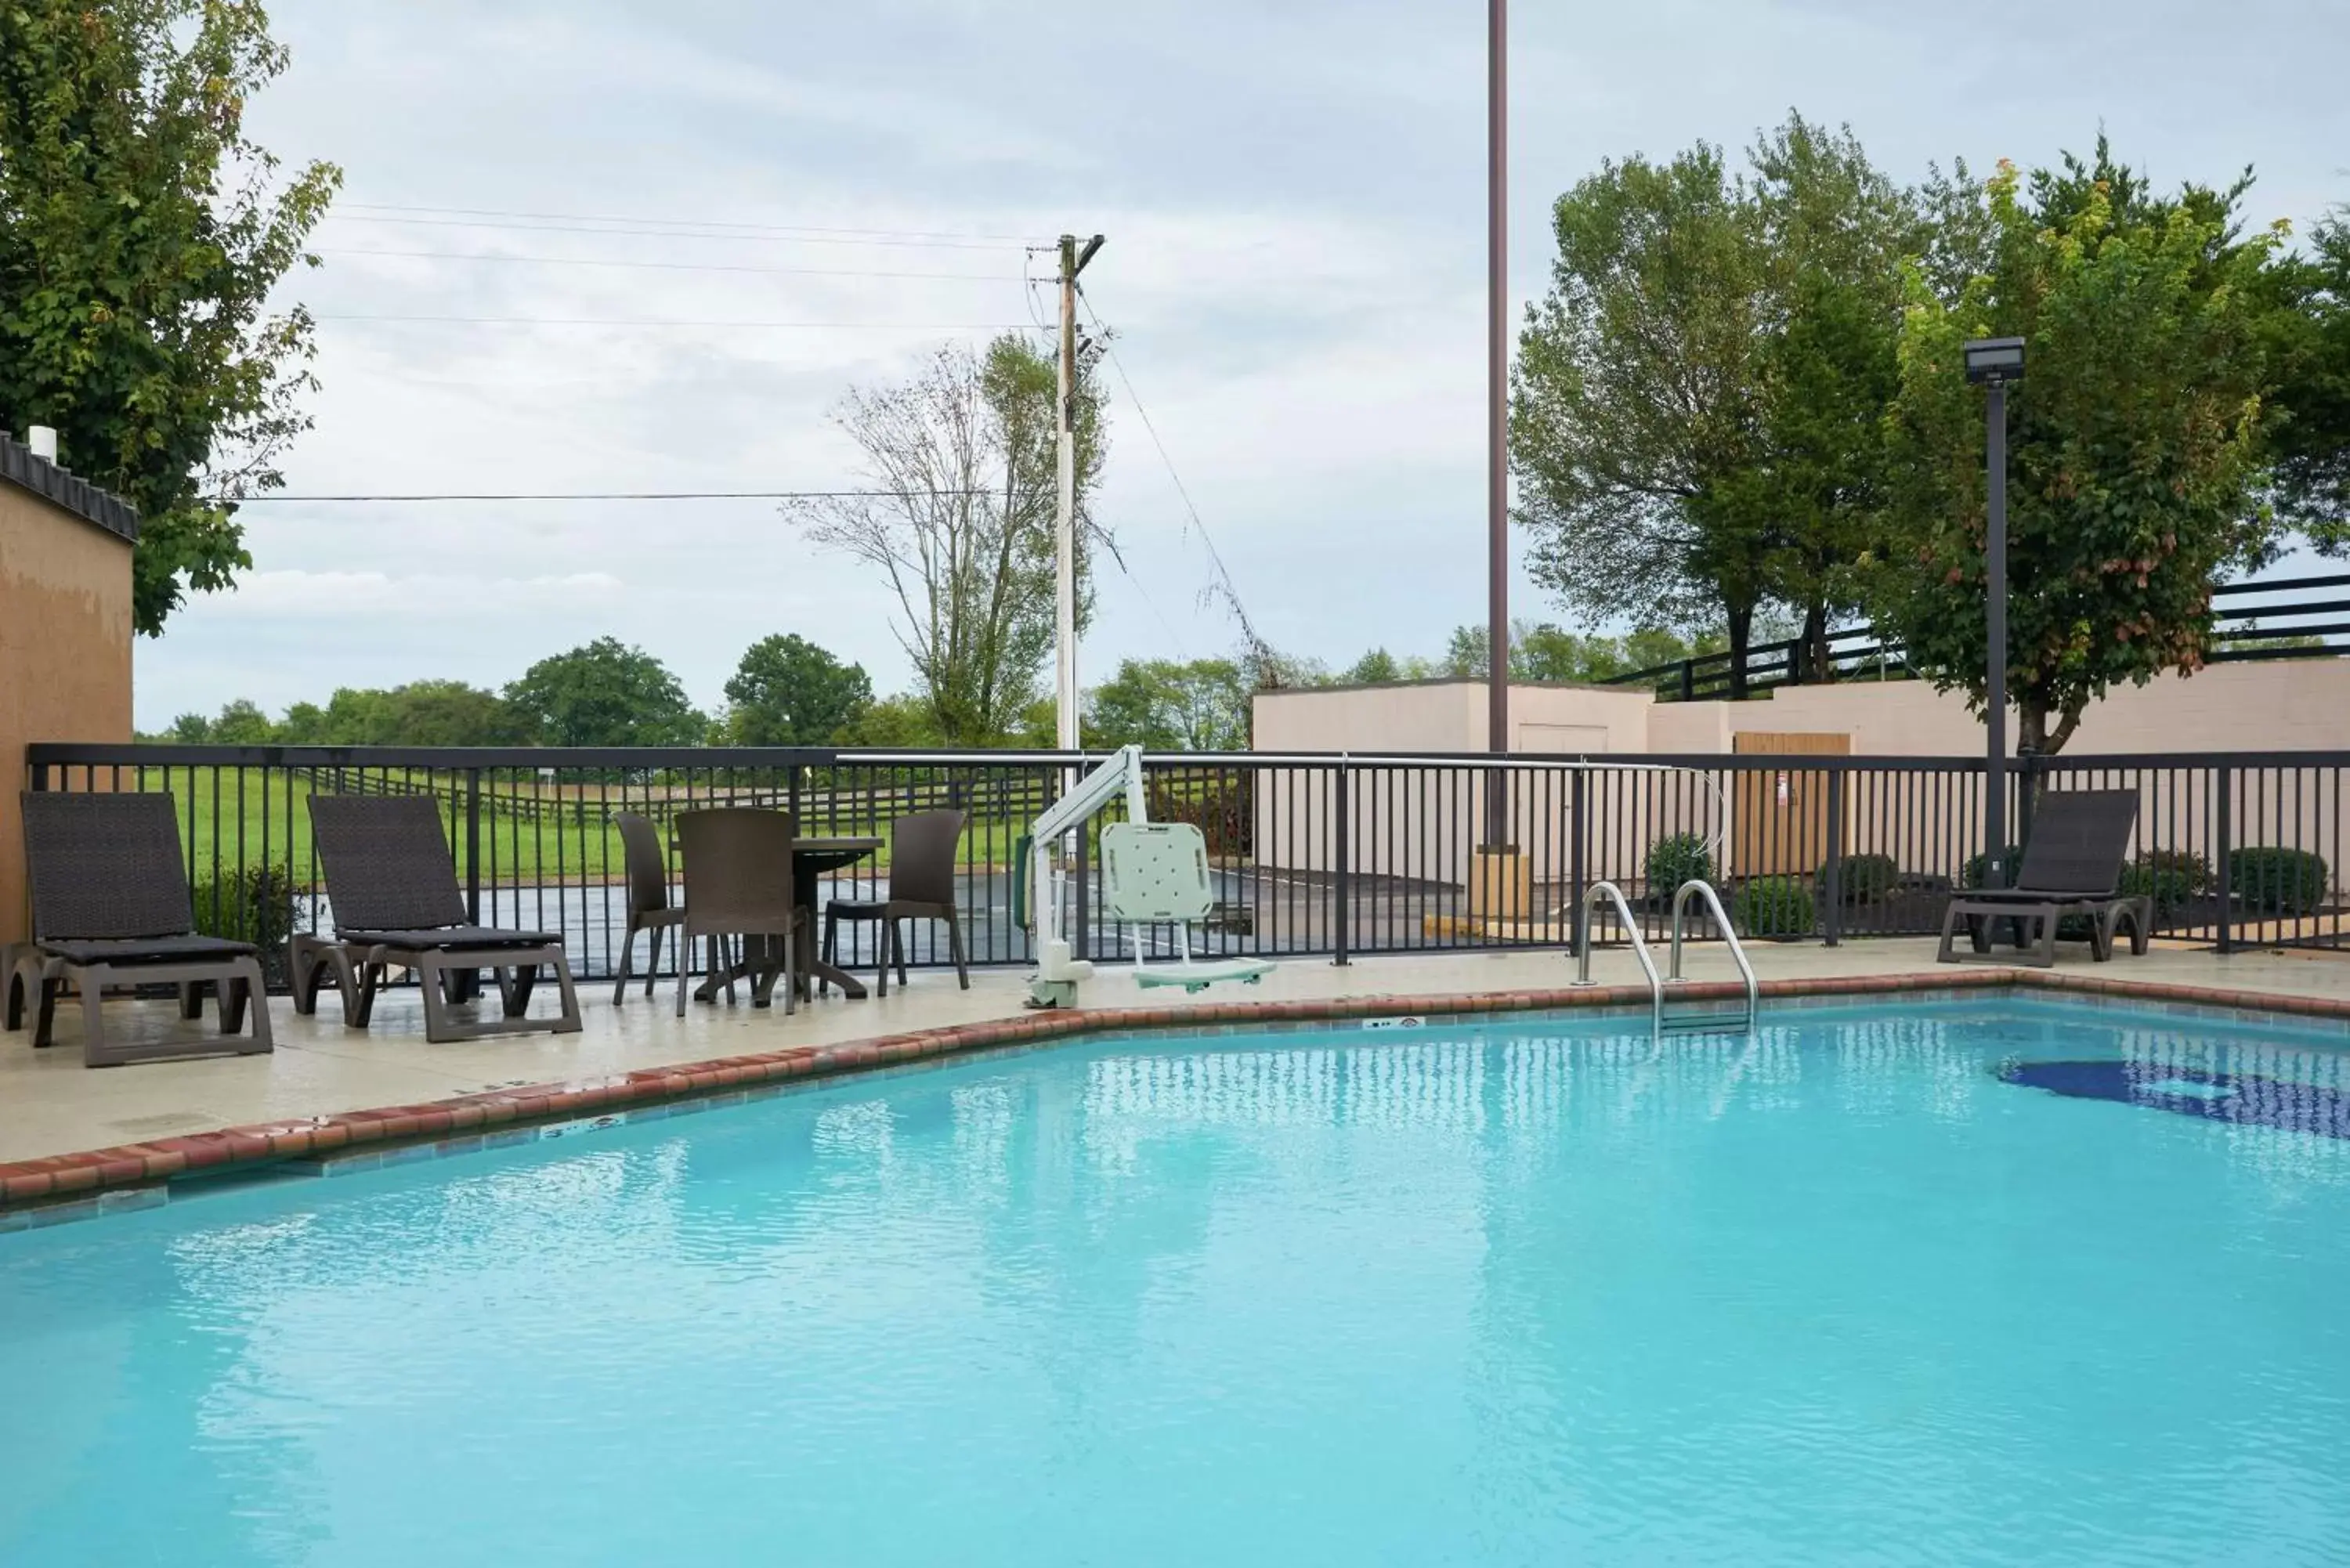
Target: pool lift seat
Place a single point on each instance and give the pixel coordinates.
(1152, 873)
(1660, 1020)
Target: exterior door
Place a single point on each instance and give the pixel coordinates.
(1782, 813)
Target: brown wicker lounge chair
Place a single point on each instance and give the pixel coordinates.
(2072, 866)
(392, 888)
(110, 908)
(921, 887)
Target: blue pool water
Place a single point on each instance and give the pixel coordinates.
(1523, 1293)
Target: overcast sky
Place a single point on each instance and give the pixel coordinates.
(1293, 195)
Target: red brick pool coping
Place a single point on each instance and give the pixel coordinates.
(30, 1183)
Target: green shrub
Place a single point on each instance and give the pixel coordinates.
(1683, 857)
(1220, 805)
(255, 905)
(1977, 865)
(1867, 878)
(2278, 881)
(1776, 907)
(2168, 877)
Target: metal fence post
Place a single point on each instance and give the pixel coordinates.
(1834, 914)
(2027, 793)
(1689, 680)
(1342, 869)
(1578, 859)
(1081, 934)
(2224, 780)
(473, 846)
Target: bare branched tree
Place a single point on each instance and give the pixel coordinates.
(957, 517)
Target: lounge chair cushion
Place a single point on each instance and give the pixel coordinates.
(2035, 895)
(465, 938)
(130, 951)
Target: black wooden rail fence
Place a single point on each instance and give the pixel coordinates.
(1327, 855)
(2275, 617)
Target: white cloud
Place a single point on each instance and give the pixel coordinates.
(1294, 197)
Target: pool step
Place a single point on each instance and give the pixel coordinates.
(1659, 1021)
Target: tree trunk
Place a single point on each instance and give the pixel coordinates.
(2032, 730)
(1741, 632)
(2031, 726)
(1817, 655)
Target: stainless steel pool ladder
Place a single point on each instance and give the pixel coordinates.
(1658, 1021)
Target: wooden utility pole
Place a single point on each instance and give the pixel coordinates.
(1064, 529)
(1501, 888)
(1497, 413)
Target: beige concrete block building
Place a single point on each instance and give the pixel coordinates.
(65, 633)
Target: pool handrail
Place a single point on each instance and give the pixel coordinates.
(1631, 929)
(1704, 890)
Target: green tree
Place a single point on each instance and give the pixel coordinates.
(141, 235)
(958, 519)
(1637, 397)
(605, 693)
(442, 714)
(902, 722)
(2136, 443)
(421, 713)
(2312, 441)
(787, 692)
(1376, 668)
(242, 724)
(1698, 413)
(1545, 652)
(1835, 236)
(1171, 705)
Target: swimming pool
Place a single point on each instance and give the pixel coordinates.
(1874, 1286)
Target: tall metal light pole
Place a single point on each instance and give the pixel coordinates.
(1497, 411)
(1993, 363)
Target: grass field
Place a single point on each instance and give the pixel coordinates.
(530, 833)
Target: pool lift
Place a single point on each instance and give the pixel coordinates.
(1661, 1021)
(1153, 873)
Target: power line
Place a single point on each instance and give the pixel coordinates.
(1231, 591)
(719, 321)
(998, 246)
(599, 495)
(685, 223)
(663, 266)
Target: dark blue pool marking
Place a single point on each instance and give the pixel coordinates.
(2245, 1098)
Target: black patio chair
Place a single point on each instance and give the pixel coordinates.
(2072, 866)
(737, 862)
(649, 907)
(921, 887)
(392, 888)
(110, 908)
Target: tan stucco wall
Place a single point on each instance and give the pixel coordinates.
(2282, 705)
(65, 654)
(1425, 825)
(2279, 706)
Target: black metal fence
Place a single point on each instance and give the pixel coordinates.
(2276, 618)
(1313, 854)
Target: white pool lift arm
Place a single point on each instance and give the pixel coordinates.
(1152, 873)
(1055, 983)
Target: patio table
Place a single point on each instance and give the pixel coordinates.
(811, 858)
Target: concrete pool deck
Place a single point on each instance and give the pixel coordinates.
(155, 1120)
